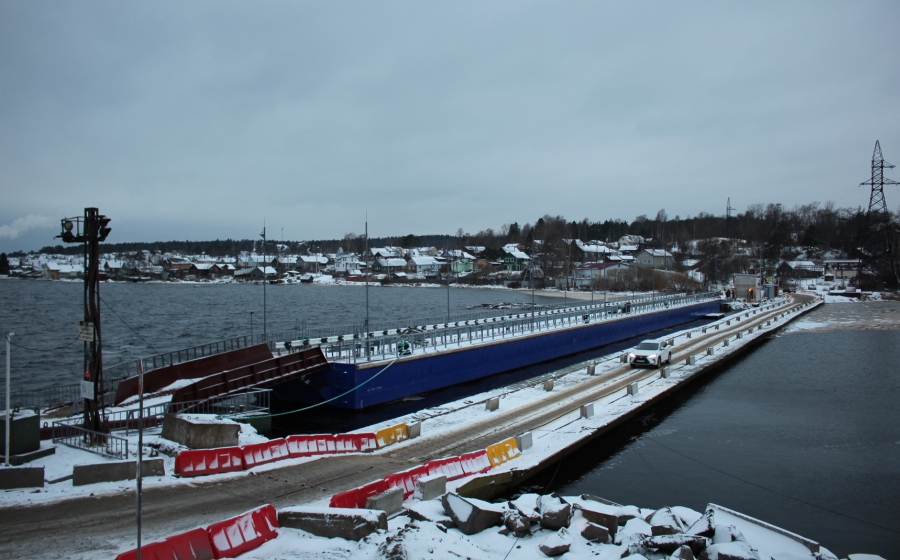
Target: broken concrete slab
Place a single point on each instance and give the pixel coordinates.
(595, 533)
(114, 471)
(556, 545)
(432, 511)
(345, 523)
(431, 487)
(470, 515)
(196, 432)
(390, 501)
(517, 524)
(555, 513)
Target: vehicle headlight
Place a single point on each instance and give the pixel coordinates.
(653, 356)
(631, 356)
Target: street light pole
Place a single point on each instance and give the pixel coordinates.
(8, 334)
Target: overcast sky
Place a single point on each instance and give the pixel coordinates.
(200, 120)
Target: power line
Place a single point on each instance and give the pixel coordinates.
(43, 349)
(129, 326)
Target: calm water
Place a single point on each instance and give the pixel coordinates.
(810, 418)
(146, 319)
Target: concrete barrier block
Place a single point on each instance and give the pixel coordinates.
(548, 385)
(24, 432)
(691, 360)
(21, 477)
(717, 326)
(431, 487)
(726, 342)
(414, 430)
(523, 441)
(710, 351)
(633, 388)
(665, 373)
(114, 471)
(587, 410)
(671, 342)
(492, 404)
(728, 323)
(624, 358)
(344, 523)
(196, 433)
(390, 502)
(591, 369)
(740, 335)
(703, 330)
(688, 335)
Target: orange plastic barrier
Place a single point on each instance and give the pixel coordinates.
(460, 466)
(244, 532)
(406, 479)
(356, 497)
(265, 452)
(190, 545)
(197, 462)
(502, 452)
(392, 435)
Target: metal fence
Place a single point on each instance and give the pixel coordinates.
(107, 445)
(388, 345)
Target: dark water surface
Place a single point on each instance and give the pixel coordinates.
(142, 320)
(803, 432)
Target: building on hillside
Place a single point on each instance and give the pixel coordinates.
(654, 258)
(799, 270)
(587, 275)
(514, 259)
(423, 266)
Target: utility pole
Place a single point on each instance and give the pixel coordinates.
(878, 242)
(8, 417)
(90, 229)
(265, 281)
(366, 257)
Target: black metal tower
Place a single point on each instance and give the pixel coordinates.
(90, 230)
(878, 262)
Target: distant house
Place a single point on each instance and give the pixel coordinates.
(312, 263)
(654, 258)
(219, 270)
(344, 263)
(515, 259)
(799, 269)
(388, 265)
(55, 271)
(423, 266)
(113, 269)
(591, 251)
(201, 270)
(460, 261)
(586, 275)
(255, 273)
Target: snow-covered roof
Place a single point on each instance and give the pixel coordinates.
(391, 262)
(424, 261)
(517, 254)
(658, 253)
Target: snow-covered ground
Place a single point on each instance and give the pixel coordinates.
(426, 539)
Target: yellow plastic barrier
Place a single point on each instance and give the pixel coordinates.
(502, 452)
(390, 436)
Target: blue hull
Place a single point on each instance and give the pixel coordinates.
(379, 382)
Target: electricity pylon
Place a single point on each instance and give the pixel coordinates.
(878, 262)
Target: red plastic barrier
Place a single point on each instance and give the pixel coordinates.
(307, 445)
(407, 479)
(460, 466)
(197, 462)
(191, 545)
(244, 532)
(356, 498)
(475, 462)
(349, 443)
(265, 452)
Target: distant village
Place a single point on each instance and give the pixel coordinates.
(630, 263)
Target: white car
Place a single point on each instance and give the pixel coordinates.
(650, 353)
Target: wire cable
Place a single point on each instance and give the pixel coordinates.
(108, 306)
(43, 349)
(772, 491)
(317, 404)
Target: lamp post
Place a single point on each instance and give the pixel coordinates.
(91, 229)
(8, 334)
(251, 329)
